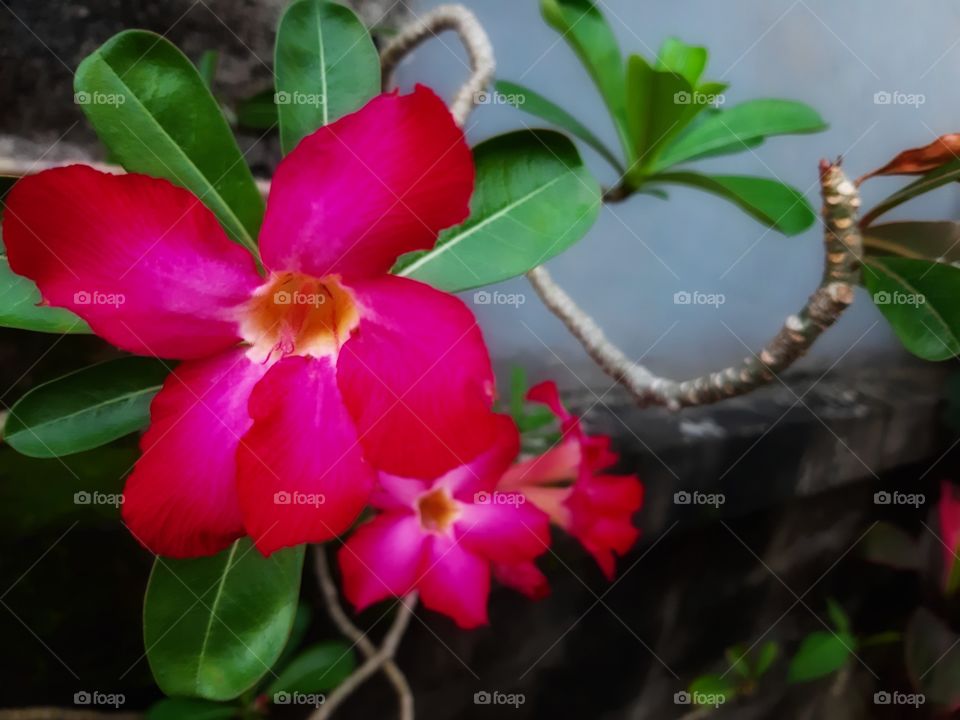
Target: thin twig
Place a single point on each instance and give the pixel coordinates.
(843, 250)
(346, 626)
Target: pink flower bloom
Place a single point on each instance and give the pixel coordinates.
(297, 382)
(568, 483)
(444, 536)
(949, 527)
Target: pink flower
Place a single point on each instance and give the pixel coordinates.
(568, 483)
(296, 382)
(443, 537)
(949, 528)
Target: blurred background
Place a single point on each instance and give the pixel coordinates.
(798, 464)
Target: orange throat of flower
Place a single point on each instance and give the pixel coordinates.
(438, 510)
(296, 314)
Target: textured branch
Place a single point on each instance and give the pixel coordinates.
(332, 601)
(843, 250)
(474, 38)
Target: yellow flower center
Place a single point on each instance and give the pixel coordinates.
(438, 510)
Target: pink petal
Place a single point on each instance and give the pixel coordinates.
(482, 473)
(302, 475)
(559, 463)
(524, 577)
(393, 492)
(503, 527)
(416, 377)
(356, 194)
(546, 393)
(142, 261)
(601, 516)
(382, 559)
(181, 499)
(455, 582)
(949, 525)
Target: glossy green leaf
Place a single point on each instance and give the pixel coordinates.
(709, 689)
(326, 66)
(317, 669)
(85, 409)
(258, 112)
(583, 26)
(931, 181)
(189, 709)
(688, 61)
(150, 107)
(207, 67)
(820, 653)
(534, 198)
(741, 125)
(771, 202)
(214, 625)
(535, 104)
(919, 300)
(20, 306)
(301, 623)
(932, 241)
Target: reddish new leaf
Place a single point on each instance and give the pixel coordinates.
(918, 161)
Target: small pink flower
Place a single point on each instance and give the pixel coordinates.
(568, 483)
(949, 527)
(444, 536)
(294, 383)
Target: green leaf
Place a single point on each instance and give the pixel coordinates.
(820, 653)
(326, 66)
(535, 104)
(85, 409)
(214, 625)
(707, 689)
(688, 61)
(585, 29)
(931, 181)
(919, 300)
(207, 67)
(888, 545)
(933, 661)
(839, 618)
(301, 623)
(765, 657)
(317, 669)
(534, 198)
(933, 241)
(737, 657)
(20, 306)
(258, 112)
(741, 125)
(771, 202)
(150, 107)
(186, 709)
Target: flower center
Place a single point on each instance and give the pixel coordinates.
(296, 314)
(438, 511)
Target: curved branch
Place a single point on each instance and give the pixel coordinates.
(332, 601)
(474, 38)
(843, 246)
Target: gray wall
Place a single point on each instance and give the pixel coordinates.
(832, 55)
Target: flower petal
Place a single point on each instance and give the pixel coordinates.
(416, 377)
(142, 261)
(302, 476)
(356, 194)
(382, 559)
(524, 577)
(483, 472)
(181, 499)
(503, 527)
(601, 516)
(455, 582)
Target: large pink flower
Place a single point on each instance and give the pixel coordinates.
(444, 537)
(297, 381)
(568, 482)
